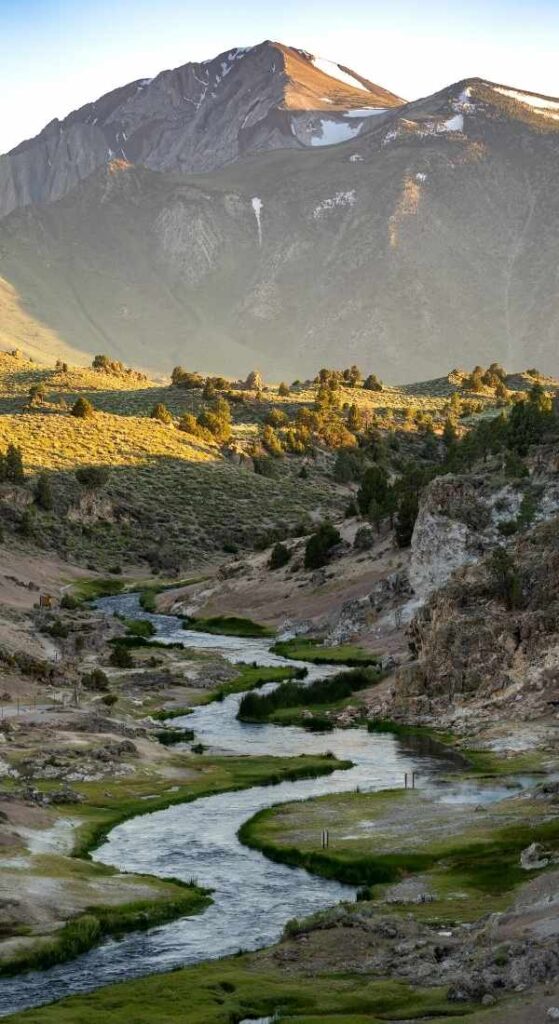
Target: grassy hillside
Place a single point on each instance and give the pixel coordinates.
(175, 493)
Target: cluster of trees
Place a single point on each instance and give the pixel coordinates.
(494, 377)
(530, 421)
(212, 423)
(105, 364)
(190, 380)
(351, 377)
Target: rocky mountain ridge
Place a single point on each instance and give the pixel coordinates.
(336, 216)
(194, 119)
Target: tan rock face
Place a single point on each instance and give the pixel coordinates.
(471, 650)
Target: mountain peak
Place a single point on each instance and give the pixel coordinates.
(196, 118)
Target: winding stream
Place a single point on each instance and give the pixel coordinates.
(253, 897)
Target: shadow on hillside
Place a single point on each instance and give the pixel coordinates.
(172, 513)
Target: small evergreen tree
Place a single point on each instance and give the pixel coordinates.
(374, 485)
(408, 509)
(14, 465)
(280, 556)
(254, 381)
(161, 413)
(504, 578)
(354, 419)
(121, 657)
(372, 383)
(188, 424)
(92, 477)
(43, 493)
(319, 546)
(82, 409)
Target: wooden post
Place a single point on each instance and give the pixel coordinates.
(406, 780)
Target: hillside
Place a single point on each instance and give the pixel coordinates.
(433, 232)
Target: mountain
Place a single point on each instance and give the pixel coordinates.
(194, 119)
(430, 238)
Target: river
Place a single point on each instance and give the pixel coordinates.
(253, 897)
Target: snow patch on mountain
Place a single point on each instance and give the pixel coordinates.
(529, 99)
(334, 71)
(257, 207)
(340, 199)
(453, 124)
(539, 104)
(330, 133)
(424, 129)
(365, 112)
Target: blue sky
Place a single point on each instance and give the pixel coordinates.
(57, 54)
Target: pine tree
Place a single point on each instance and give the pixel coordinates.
(43, 493)
(82, 409)
(14, 465)
(161, 413)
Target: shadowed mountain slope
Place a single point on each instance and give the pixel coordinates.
(431, 238)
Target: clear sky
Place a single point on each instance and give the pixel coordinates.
(58, 54)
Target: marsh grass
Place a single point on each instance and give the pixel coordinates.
(322, 692)
(229, 625)
(313, 650)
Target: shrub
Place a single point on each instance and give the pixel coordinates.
(276, 418)
(13, 465)
(69, 603)
(109, 699)
(354, 419)
(372, 383)
(280, 556)
(43, 493)
(508, 527)
(271, 441)
(258, 707)
(82, 409)
(161, 413)
(406, 516)
(254, 381)
(185, 379)
(504, 578)
(92, 477)
(374, 486)
(121, 657)
(283, 390)
(363, 539)
(319, 546)
(217, 420)
(188, 424)
(26, 523)
(96, 680)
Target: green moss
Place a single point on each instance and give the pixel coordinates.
(313, 650)
(327, 693)
(229, 625)
(253, 676)
(92, 589)
(231, 990)
(100, 922)
(140, 627)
